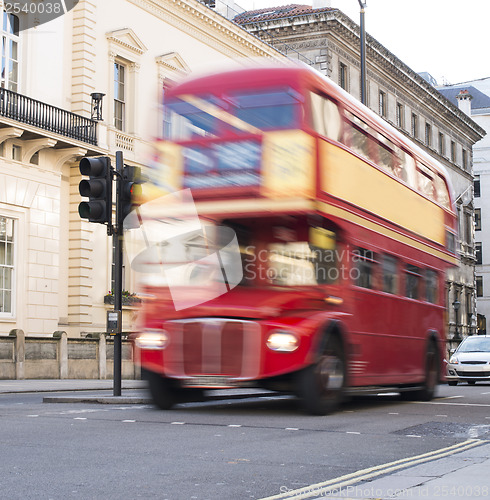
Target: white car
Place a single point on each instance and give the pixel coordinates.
(470, 362)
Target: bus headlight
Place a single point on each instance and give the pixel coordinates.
(282, 341)
(152, 340)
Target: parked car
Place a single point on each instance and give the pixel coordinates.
(470, 362)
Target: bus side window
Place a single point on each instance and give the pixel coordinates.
(390, 274)
(425, 183)
(322, 243)
(326, 117)
(431, 289)
(386, 158)
(413, 281)
(405, 168)
(442, 192)
(366, 268)
(359, 140)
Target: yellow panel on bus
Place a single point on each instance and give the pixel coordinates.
(347, 177)
(288, 168)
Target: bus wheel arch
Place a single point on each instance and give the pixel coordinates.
(321, 385)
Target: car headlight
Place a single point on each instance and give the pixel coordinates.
(152, 340)
(282, 341)
(454, 360)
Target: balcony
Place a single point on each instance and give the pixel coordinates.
(44, 116)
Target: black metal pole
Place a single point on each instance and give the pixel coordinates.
(118, 261)
(363, 52)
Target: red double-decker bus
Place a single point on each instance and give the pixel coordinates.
(344, 230)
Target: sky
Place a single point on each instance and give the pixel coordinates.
(449, 39)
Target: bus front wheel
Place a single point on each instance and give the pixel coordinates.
(321, 385)
(162, 395)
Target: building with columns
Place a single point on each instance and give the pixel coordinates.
(473, 98)
(328, 40)
(86, 83)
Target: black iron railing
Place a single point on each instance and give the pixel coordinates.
(39, 114)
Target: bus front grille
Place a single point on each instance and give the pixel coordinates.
(224, 347)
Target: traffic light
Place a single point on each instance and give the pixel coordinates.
(130, 198)
(98, 189)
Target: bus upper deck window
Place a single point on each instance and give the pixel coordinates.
(188, 117)
(266, 109)
(326, 117)
(442, 192)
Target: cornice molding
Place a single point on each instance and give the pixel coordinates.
(196, 20)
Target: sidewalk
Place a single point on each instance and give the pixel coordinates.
(68, 385)
(464, 475)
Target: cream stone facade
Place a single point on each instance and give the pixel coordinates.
(55, 267)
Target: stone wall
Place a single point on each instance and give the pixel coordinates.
(24, 357)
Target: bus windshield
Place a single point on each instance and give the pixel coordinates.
(189, 117)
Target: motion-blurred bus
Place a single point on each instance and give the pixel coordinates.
(342, 229)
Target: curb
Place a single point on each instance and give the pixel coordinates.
(146, 400)
(102, 400)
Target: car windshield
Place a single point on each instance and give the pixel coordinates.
(475, 344)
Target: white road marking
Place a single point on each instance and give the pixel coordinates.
(450, 404)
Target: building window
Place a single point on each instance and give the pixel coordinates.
(465, 159)
(478, 253)
(9, 78)
(479, 286)
(400, 112)
(477, 219)
(442, 144)
(476, 186)
(415, 125)
(119, 96)
(6, 265)
(343, 76)
(469, 224)
(428, 135)
(453, 151)
(382, 103)
(16, 152)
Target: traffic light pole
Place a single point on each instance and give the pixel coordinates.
(118, 237)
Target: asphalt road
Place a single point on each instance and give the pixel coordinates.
(238, 449)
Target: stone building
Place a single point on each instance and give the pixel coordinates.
(328, 40)
(473, 98)
(86, 83)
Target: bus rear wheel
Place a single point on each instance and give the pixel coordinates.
(321, 385)
(428, 389)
